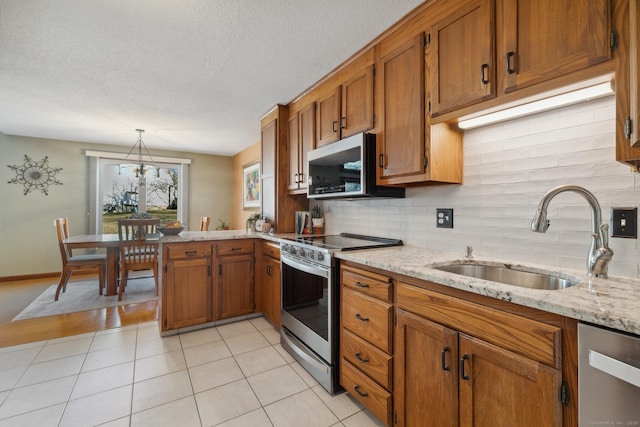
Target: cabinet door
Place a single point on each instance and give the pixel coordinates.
(328, 129)
(401, 139)
(274, 283)
(499, 388)
(188, 298)
(544, 39)
(426, 372)
(268, 165)
(357, 104)
(293, 152)
(268, 289)
(461, 57)
(307, 142)
(235, 286)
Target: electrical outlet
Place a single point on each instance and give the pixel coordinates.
(444, 218)
(624, 222)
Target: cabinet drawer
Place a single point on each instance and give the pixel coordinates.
(271, 249)
(188, 250)
(368, 318)
(369, 359)
(530, 338)
(372, 284)
(234, 247)
(366, 391)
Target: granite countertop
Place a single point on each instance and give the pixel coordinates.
(612, 302)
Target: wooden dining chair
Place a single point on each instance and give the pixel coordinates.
(71, 263)
(138, 249)
(204, 223)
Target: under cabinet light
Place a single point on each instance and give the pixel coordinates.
(550, 103)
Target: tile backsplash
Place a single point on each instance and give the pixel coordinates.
(508, 167)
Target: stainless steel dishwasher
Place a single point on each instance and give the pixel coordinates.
(608, 377)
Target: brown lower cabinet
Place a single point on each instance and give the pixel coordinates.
(456, 359)
(268, 282)
(236, 278)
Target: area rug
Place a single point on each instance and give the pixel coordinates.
(81, 296)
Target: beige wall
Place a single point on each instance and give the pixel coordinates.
(246, 157)
(28, 243)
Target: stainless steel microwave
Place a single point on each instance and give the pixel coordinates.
(346, 169)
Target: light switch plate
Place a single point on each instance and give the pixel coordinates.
(444, 218)
(624, 222)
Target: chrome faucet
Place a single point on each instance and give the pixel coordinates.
(599, 252)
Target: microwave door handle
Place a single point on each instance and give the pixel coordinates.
(615, 368)
(316, 271)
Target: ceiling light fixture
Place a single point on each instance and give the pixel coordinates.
(142, 181)
(550, 103)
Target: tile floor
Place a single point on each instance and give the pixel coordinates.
(231, 375)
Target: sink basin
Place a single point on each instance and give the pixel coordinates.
(507, 275)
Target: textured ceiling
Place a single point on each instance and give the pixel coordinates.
(197, 75)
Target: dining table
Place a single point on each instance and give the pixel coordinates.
(111, 242)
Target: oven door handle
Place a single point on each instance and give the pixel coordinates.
(316, 271)
(615, 368)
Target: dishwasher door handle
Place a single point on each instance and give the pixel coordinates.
(615, 368)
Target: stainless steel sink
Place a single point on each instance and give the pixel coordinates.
(507, 275)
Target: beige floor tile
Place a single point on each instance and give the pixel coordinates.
(158, 365)
(226, 402)
(256, 361)
(231, 330)
(120, 422)
(72, 338)
(104, 379)
(37, 396)
(242, 343)
(149, 331)
(26, 346)
(22, 357)
(343, 405)
(214, 374)
(362, 419)
(9, 377)
(182, 412)
(199, 337)
(46, 371)
(284, 353)
(338, 425)
(161, 390)
(260, 323)
(276, 384)
(3, 396)
(152, 347)
(63, 349)
(98, 408)
(115, 339)
(302, 409)
(45, 417)
(206, 353)
(272, 335)
(257, 418)
(110, 357)
(117, 330)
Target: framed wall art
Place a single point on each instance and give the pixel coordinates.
(251, 186)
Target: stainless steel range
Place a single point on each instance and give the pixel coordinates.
(310, 299)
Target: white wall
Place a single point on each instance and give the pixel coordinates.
(508, 167)
(28, 243)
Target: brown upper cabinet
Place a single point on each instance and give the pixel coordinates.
(409, 149)
(347, 109)
(543, 39)
(302, 139)
(461, 57)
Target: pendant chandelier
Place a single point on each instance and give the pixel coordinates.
(139, 144)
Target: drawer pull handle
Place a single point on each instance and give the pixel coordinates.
(363, 394)
(362, 285)
(462, 373)
(359, 357)
(191, 253)
(364, 319)
(510, 62)
(236, 249)
(445, 350)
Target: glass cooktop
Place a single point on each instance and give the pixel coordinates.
(345, 241)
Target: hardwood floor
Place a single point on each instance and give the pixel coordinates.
(16, 295)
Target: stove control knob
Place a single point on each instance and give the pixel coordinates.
(301, 252)
(311, 255)
(320, 256)
(292, 250)
(284, 247)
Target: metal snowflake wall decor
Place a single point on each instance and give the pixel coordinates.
(35, 175)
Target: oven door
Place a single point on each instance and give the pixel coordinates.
(307, 305)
